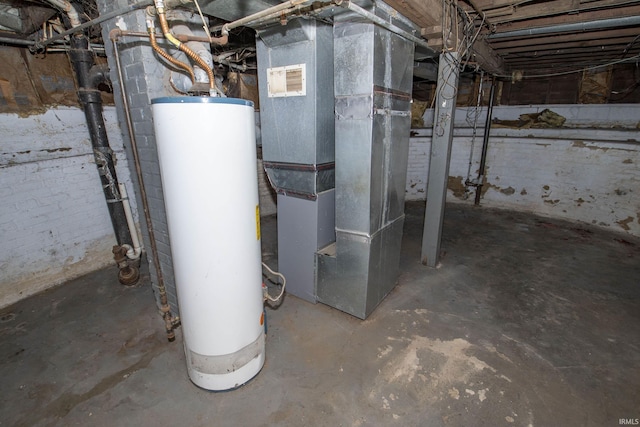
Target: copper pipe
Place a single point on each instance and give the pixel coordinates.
(152, 39)
(177, 43)
(170, 321)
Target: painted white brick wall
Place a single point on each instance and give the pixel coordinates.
(54, 220)
(579, 173)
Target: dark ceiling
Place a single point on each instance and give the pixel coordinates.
(507, 36)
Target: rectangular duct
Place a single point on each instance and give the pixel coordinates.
(337, 95)
(295, 75)
(298, 143)
(373, 82)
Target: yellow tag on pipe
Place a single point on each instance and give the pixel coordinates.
(258, 222)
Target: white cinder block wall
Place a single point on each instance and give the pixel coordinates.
(54, 220)
(588, 171)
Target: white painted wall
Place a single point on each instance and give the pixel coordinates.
(589, 172)
(54, 222)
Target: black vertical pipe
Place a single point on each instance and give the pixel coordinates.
(91, 101)
(485, 143)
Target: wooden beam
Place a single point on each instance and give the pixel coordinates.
(558, 7)
(428, 15)
(492, 4)
(565, 60)
(424, 13)
(486, 57)
(568, 19)
(561, 38)
(620, 41)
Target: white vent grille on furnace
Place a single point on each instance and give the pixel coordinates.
(287, 81)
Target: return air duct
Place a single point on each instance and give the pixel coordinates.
(373, 82)
(295, 66)
(338, 92)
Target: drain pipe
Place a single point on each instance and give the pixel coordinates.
(485, 143)
(89, 96)
(170, 321)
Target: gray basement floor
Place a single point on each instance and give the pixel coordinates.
(528, 322)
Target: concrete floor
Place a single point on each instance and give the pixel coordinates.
(528, 322)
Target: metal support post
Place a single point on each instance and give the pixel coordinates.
(447, 88)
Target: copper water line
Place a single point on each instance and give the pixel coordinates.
(183, 47)
(151, 29)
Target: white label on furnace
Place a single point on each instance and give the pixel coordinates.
(287, 81)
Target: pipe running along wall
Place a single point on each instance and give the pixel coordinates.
(89, 77)
(485, 144)
(170, 321)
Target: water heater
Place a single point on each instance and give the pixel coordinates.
(207, 153)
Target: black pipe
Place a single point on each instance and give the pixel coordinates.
(485, 143)
(91, 101)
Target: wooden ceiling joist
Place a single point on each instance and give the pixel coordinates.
(604, 44)
(558, 7)
(545, 40)
(633, 10)
(422, 13)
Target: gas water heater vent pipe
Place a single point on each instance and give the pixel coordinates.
(201, 48)
(160, 9)
(151, 29)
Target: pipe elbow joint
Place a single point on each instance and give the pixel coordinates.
(115, 34)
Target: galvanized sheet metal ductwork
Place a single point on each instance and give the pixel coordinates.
(373, 82)
(340, 247)
(298, 143)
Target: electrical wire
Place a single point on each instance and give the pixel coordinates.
(476, 112)
(629, 46)
(284, 283)
(205, 27)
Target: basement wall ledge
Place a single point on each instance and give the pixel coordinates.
(624, 136)
(576, 172)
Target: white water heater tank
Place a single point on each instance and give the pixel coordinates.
(207, 152)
